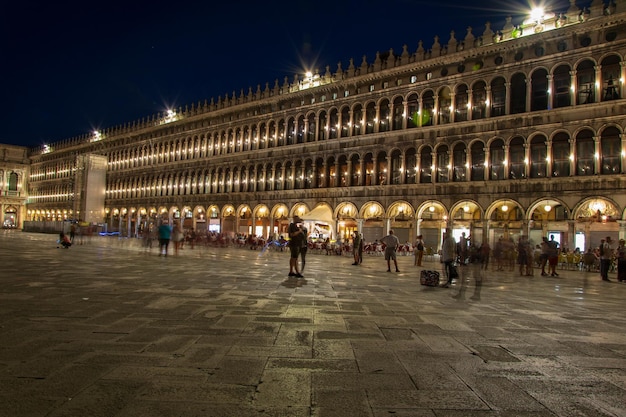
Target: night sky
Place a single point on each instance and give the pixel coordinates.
(67, 70)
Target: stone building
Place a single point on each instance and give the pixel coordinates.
(14, 172)
(496, 133)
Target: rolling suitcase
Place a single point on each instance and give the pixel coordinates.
(429, 278)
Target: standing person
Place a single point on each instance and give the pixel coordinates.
(165, 232)
(463, 248)
(553, 255)
(391, 246)
(620, 253)
(72, 232)
(361, 247)
(296, 236)
(448, 255)
(606, 256)
(484, 253)
(523, 255)
(356, 247)
(304, 248)
(419, 250)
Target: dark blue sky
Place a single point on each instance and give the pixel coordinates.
(66, 70)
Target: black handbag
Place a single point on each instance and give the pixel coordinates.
(453, 272)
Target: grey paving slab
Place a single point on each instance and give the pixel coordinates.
(109, 328)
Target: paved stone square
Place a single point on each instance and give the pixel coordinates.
(109, 328)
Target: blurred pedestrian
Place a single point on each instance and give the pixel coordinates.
(165, 233)
(356, 247)
(419, 250)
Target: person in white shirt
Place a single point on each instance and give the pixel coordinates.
(391, 245)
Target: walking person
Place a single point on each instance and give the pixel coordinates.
(448, 256)
(296, 238)
(391, 246)
(177, 237)
(356, 247)
(419, 250)
(606, 256)
(165, 233)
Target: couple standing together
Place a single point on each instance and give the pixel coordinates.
(297, 246)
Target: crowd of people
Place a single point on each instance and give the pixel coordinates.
(505, 255)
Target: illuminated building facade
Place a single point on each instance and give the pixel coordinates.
(506, 132)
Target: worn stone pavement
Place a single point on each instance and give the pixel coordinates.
(110, 329)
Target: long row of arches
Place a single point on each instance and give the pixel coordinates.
(586, 153)
(587, 220)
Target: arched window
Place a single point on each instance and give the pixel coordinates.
(517, 156)
(370, 116)
(479, 100)
(560, 155)
(478, 162)
(443, 164)
(398, 113)
(538, 154)
(585, 153)
(310, 134)
(384, 116)
(342, 175)
(585, 80)
(518, 93)
(411, 165)
(562, 86)
(610, 77)
(333, 125)
(460, 103)
(459, 161)
(345, 121)
(444, 102)
(428, 108)
(13, 181)
(539, 90)
(497, 159)
(322, 128)
(355, 174)
(498, 97)
(396, 167)
(357, 120)
(610, 146)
